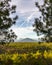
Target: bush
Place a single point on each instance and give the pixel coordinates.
(37, 58)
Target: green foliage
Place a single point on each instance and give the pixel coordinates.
(6, 21)
(43, 25)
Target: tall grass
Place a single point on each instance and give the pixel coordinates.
(24, 53)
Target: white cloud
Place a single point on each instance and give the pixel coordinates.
(25, 32)
(34, 15)
(25, 5)
(27, 9)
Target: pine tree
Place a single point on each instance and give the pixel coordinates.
(6, 21)
(43, 24)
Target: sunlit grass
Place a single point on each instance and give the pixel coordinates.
(25, 59)
(24, 53)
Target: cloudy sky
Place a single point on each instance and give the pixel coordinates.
(27, 12)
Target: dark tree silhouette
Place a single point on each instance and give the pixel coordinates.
(6, 21)
(43, 25)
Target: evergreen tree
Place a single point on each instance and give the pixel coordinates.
(43, 25)
(6, 21)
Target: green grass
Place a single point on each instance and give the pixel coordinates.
(24, 47)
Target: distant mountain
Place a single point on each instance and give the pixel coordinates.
(27, 40)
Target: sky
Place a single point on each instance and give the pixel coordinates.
(27, 12)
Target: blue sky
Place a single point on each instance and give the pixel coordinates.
(27, 12)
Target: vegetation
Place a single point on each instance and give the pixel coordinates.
(6, 21)
(23, 47)
(23, 53)
(27, 59)
(43, 25)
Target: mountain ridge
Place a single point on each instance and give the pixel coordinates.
(27, 40)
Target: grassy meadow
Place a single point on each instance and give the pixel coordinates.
(26, 53)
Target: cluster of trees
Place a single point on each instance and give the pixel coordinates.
(43, 25)
(6, 21)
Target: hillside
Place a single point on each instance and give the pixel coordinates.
(27, 40)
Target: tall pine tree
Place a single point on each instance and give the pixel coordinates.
(43, 25)
(6, 21)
